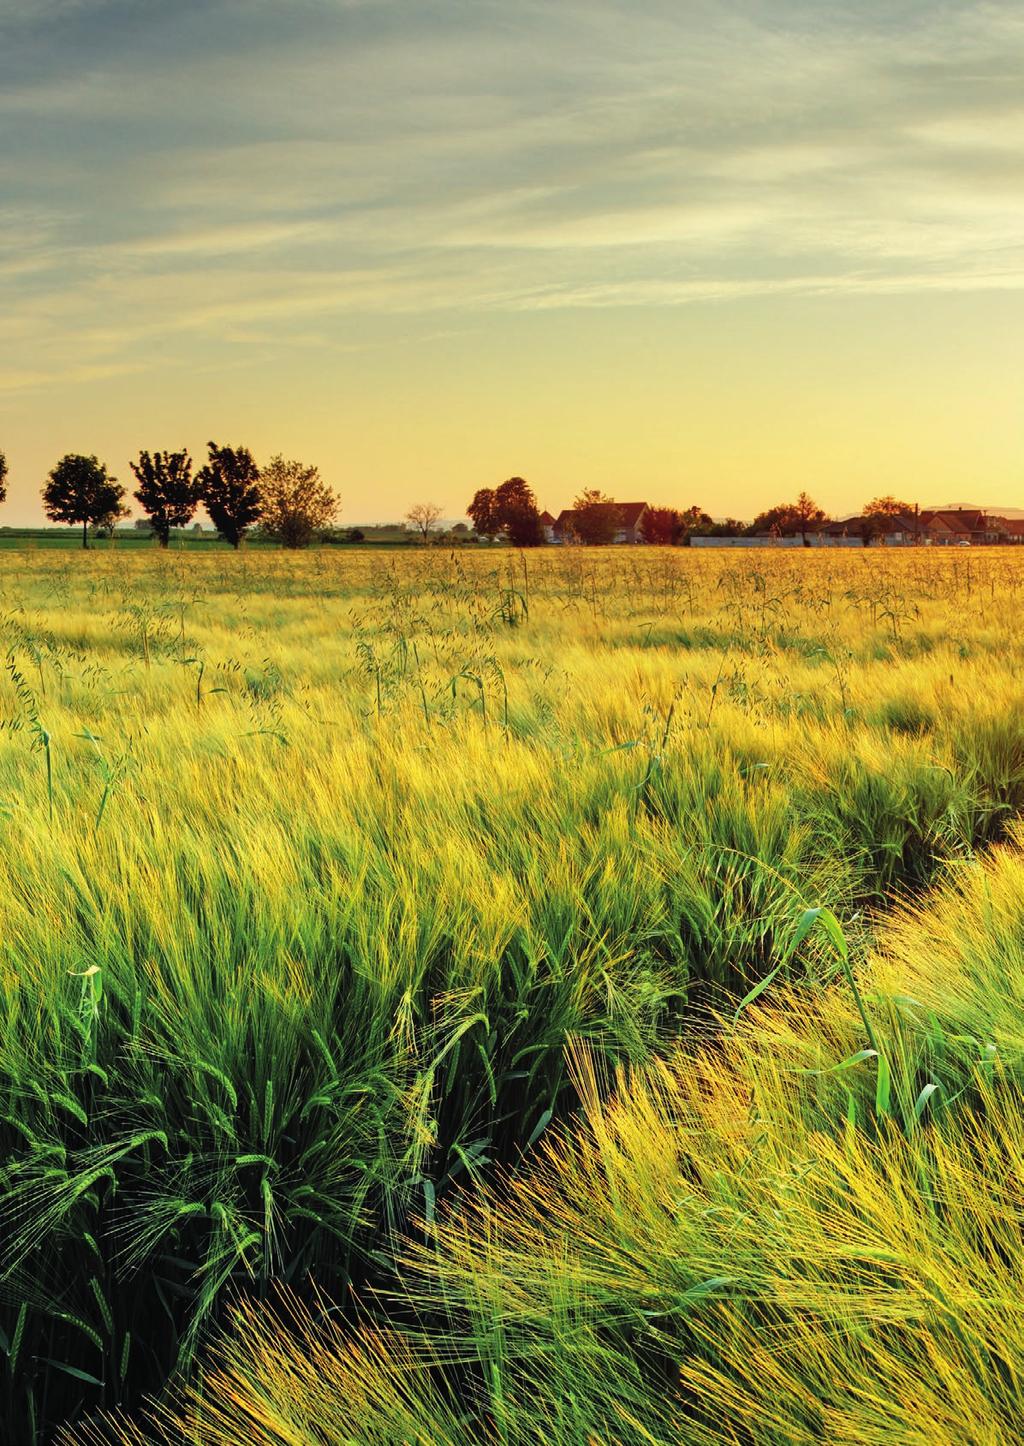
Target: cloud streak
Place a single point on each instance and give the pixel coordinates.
(243, 169)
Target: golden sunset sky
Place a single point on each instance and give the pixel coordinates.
(690, 252)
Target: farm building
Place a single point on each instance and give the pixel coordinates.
(896, 531)
(959, 525)
(629, 516)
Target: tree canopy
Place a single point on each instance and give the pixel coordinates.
(662, 526)
(80, 489)
(788, 518)
(3, 478)
(512, 493)
(511, 509)
(517, 510)
(666, 525)
(889, 507)
(523, 526)
(167, 491)
(295, 502)
(483, 512)
(229, 487)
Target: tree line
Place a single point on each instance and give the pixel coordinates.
(511, 511)
(804, 517)
(286, 500)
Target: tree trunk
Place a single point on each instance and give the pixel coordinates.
(85, 534)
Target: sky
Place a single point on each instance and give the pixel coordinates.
(688, 252)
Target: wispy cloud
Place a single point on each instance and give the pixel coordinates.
(239, 168)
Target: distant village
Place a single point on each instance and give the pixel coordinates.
(510, 511)
(610, 522)
(960, 526)
(949, 527)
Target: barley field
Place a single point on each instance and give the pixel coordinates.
(564, 997)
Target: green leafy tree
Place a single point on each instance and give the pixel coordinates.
(523, 526)
(881, 510)
(513, 493)
(808, 516)
(889, 507)
(597, 518)
(483, 512)
(665, 526)
(229, 488)
(510, 509)
(803, 516)
(81, 490)
(518, 514)
(696, 519)
(297, 504)
(662, 526)
(731, 527)
(167, 491)
(773, 519)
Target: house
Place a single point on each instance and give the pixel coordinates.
(956, 526)
(1011, 529)
(843, 529)
(939, 527)
(628, 516)
(830, 534)
(897, 531)
(547, 525)
(631, 515)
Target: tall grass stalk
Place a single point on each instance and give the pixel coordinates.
(341, 942)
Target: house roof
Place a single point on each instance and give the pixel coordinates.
(902, 522)
(956, 520)
(838, 524)
(629, 513)
(962, 521)
(547, 519)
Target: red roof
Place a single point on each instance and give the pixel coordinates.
(956, 520)
(547, 519)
